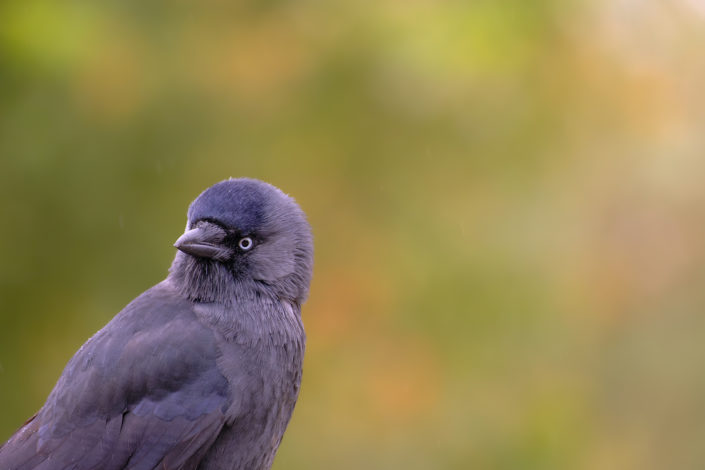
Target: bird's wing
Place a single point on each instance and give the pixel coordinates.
(145, 392)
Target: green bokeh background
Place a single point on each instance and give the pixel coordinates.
(506, 196)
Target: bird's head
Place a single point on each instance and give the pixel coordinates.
(244, 232)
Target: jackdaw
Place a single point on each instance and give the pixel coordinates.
(201, 371)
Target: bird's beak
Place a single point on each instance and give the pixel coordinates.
(204, 241)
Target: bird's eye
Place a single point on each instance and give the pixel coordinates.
(245, 243)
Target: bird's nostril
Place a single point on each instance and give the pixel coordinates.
(204, 241)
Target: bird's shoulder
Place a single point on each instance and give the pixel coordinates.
(151, 371)
(154, 357)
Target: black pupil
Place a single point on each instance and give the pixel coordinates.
(245, 243)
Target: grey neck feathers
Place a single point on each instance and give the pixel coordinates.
(208, 281)
(202, 280)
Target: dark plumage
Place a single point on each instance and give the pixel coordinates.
(201, 371)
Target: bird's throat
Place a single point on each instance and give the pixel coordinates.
(202, 280)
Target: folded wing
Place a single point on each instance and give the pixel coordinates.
(145, 392)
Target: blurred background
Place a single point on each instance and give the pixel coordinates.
(507, 200)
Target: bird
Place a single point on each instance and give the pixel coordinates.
(201, 371)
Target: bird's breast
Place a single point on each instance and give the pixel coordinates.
(264, 382)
